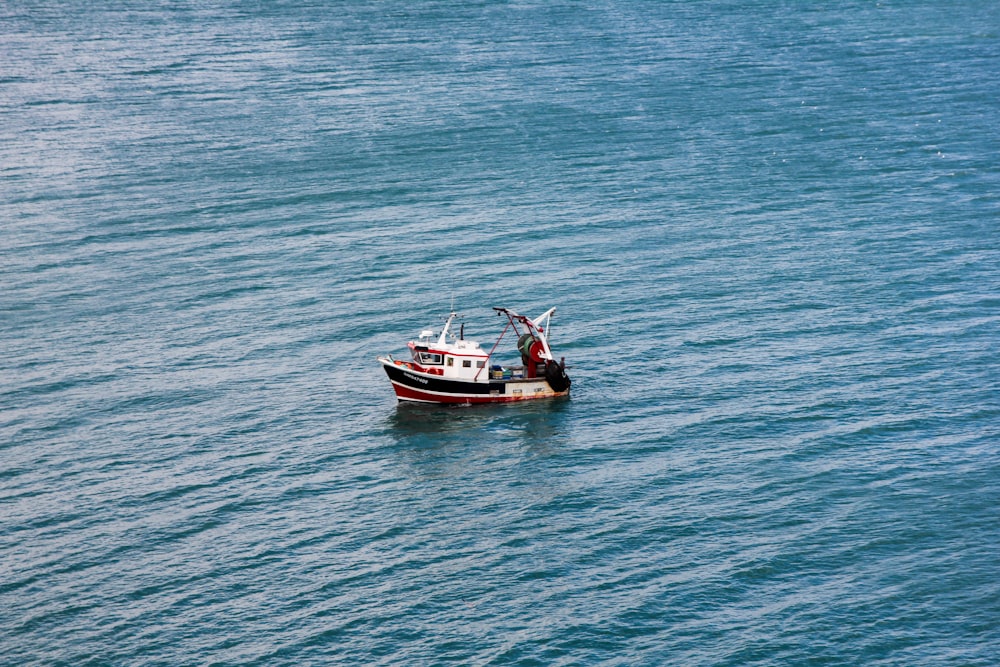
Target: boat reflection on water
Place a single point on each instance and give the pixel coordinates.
(428, 431)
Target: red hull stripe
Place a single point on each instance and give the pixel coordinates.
(405, 393)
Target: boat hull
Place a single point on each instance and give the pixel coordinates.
(412, 385)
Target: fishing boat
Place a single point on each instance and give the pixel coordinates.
(447, 368)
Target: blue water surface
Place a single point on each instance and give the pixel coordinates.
(770, 229)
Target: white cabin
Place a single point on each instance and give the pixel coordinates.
(458, 359)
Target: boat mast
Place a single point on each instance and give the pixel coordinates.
(443, 338)
(543, 331)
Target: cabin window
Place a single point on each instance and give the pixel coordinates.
(430, 358)
(451, 361)
(466, 363)
(480, 363)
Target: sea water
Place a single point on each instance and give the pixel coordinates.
(770, 230)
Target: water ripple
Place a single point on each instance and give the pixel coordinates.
(769, 232)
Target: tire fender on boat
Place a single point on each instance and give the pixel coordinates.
(556, 376)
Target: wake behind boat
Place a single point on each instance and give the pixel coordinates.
(445, 368)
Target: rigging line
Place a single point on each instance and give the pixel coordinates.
(490, 355)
